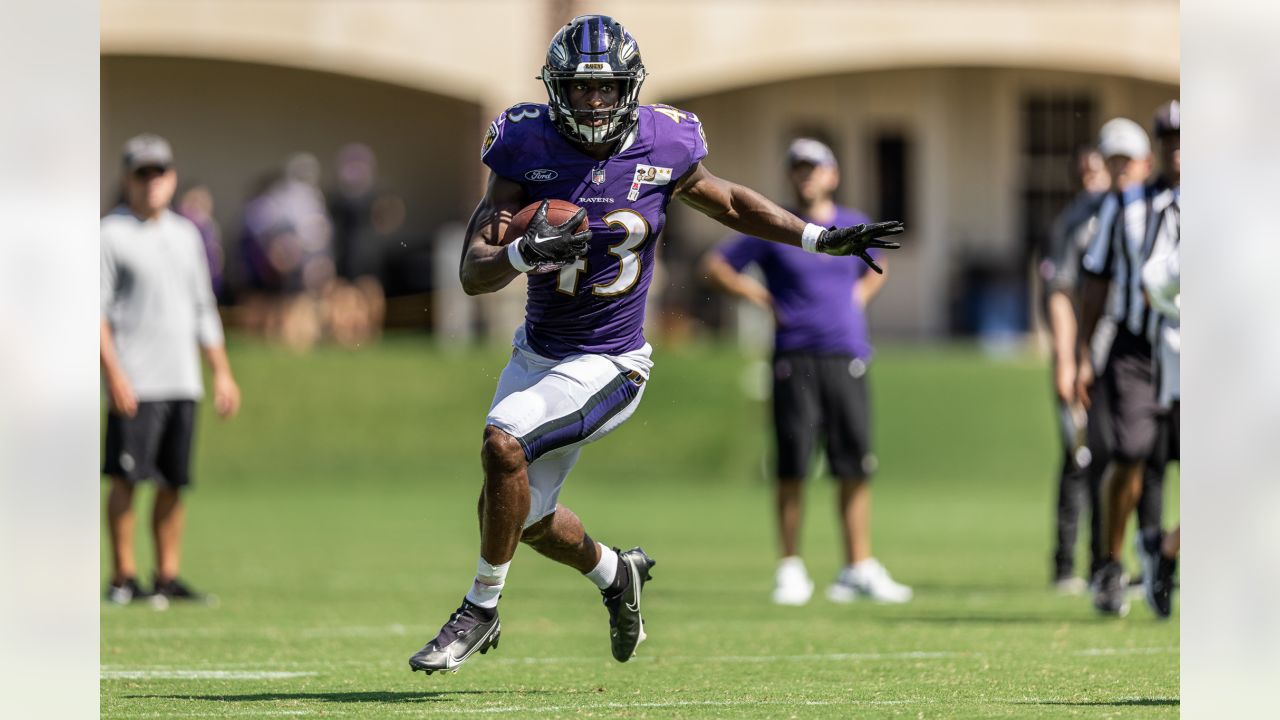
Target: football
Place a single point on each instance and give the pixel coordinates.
(559, 211)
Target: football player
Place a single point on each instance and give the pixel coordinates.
(580, 362)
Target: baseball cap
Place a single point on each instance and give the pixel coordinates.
(1122, 136)
(808, 150)
(147, 150)
(1168, 119)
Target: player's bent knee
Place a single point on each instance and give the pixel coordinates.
(501, 451)
(536, 532)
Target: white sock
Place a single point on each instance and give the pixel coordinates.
(862, 566)
(488, 583)
(792, 563)
(606, 570)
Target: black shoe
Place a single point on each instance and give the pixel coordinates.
(626, 627)
(1110, 596)
(470, 628)
(125, 592)
(177, 590)
(1159, 590)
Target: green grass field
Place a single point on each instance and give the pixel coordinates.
(335, 520)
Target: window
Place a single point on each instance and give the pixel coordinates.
(1055, 126)
(892, 158)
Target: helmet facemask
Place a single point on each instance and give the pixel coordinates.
(593, 127)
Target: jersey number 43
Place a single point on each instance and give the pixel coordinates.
(637, 229)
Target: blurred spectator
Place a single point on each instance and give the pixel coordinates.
(1161, 277)
(365, 219)
(821, 353)
(351, 202)
(1059, 272)
(196, 205)
(157, 309)
(1123, 408)
(286, 247)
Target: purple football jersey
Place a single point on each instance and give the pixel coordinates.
(596, 305)
(813, 294)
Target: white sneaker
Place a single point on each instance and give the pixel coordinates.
(1071, 586)
(791, 583)
(867, 579)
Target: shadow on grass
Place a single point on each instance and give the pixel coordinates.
(344, 697)
(1129, 702)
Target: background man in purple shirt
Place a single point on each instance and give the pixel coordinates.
(821, 353)
(580, 361)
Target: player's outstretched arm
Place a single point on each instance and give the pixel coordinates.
(484, 267)
(750, 213)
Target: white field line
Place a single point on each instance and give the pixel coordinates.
(187, 674)
(675, 704)
(1126, 651)
(1076, 700)
(227, 714)
(395, 630)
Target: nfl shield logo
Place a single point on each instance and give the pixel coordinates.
(597, 176)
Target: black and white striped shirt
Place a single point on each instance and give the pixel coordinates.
(1126, 233)
(1161, 276)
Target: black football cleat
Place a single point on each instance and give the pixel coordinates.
(471, 628)
(626, 627)
(1111, 596)
(1159, 589)
(175, 590)
(126, 592)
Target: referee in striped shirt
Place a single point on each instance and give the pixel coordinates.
(1122, 403)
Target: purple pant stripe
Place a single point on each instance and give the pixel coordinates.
(580, 424)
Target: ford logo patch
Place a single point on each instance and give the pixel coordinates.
(541, 175)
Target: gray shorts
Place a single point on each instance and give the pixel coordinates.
(1125, 404)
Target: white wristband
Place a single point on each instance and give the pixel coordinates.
(517, 261)
(809, 238)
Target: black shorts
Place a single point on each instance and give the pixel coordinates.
(153, 444)
(1169, 443)
(1125, 405)
(821, 397)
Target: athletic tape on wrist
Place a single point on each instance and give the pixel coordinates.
(517, 260)
(809, 238)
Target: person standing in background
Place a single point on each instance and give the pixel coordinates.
(1059, 273)
(196, 205)
(157, 309)
(1122, 403)
(821, 354)
(1161, 278)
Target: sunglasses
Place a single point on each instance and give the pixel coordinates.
(149, 172)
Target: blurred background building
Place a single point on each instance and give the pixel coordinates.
(959, 116)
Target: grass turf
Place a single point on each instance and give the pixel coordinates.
(335, 521)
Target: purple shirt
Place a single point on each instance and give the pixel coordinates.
(813, 294)
(596, 305)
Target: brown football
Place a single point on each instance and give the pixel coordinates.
(559, 211)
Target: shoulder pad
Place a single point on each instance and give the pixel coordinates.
(515, 133)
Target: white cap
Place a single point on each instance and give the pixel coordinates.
(808, 150)
(1122, 136)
